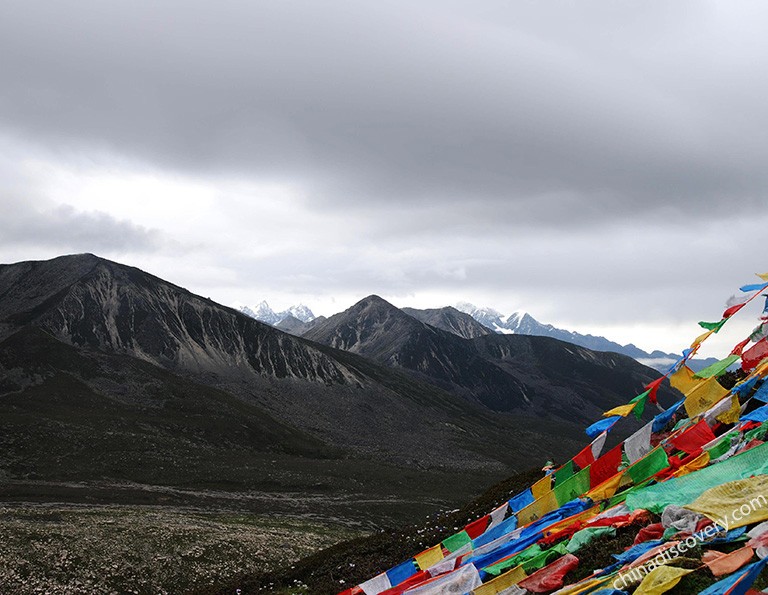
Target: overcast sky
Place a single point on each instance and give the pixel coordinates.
(602, 165)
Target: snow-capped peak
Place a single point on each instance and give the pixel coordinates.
(261, 312)
(264, 313)
(514, 319)
(488, 317)
(301, 312)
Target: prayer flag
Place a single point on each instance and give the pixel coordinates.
(429, 557)
(639, 444)
(694, 438)
(651, 464)
(603, 425)
(605, 467)
(754, 355)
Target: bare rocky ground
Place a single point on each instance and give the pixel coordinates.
(72, 549)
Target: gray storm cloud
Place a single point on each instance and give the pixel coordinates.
(506, 103)
(66, 230)
(558, 153)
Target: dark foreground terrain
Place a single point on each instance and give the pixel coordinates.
(74, 549)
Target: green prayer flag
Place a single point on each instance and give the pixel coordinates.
(721, 447)
(544, 558)
(713, 326)
(621, 496)
(649, 465)
(718, 368)
(456, 542)
(757, 433)
(528, 553)
(587, 536)
(686, 488)
(564, 473)
(573, 487)
(641, 400)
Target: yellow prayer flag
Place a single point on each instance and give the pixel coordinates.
(698, 463)
(501, 582)
(763, 276)
(606, 489)
(732, 415)
(660, 580)
(541, 487)
(761, 370)
(582, 516)
(537, 509)
(700, 339)
(735, 503)
(585, 585)
(683, 380)
(429, 557)
(705, 395)
(622, 410)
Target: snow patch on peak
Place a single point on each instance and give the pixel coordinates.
(264, 313)
(514, 319)
(301, 312)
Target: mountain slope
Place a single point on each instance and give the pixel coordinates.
(502, 372)
(141, 380)
(451, 320)
(97, 304)
(294, 326)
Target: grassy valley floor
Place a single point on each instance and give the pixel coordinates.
(58, 548)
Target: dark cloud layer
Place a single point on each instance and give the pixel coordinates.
(634, 109)
(600, 160)
(64, 230)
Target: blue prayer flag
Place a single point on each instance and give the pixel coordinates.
(401, 572)
(759, 415)
(738, 583)
(603, 425)
(523, 499)
(663, 418)
(753, 287)
(762, 393)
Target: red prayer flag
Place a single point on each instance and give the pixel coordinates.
(732, 310)
(654, 387)
(692, 439)
(478, 527)
(654, 531)
(605, 467)
(740, 347)
(551, 576)
(585, 457)
(754, 355)
(416, 579)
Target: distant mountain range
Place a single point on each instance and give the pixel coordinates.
(522, 323)
(296, 320)
(108, 373)
(468, 321)
(502, 372)
(264, 313)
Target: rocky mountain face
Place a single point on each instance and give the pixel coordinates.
(522, 323)
(451, 320)
(97, 304)
(292, 325)
(137, 379)
(510, 373)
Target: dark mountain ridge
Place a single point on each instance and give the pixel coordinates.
(507, 373)
(112, 374)
(450, 319)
